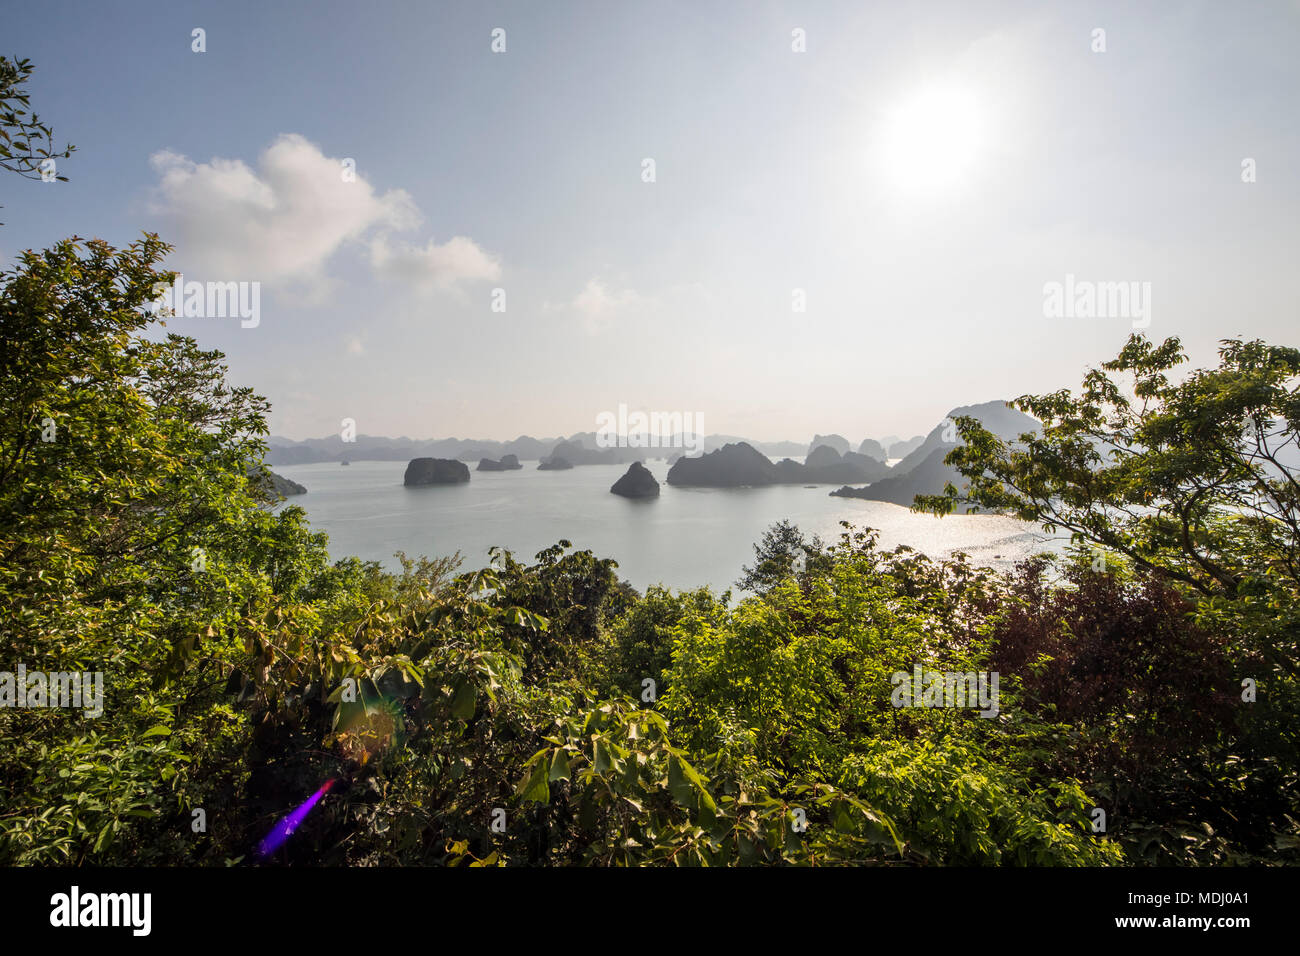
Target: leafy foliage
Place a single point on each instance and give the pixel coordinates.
(25, 142)
(495, 716)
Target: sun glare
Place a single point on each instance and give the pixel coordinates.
(929, 140)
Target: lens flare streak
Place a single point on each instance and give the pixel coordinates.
(284, 829)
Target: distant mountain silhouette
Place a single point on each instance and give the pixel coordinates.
(732, 466)
(823, 455)
(901, 449)
(286, 451)
(838, 442)
(435, 471)
(277, 484)
(739, 465)
(826, 466)
(637, 482)
(872, 449)
(923, 472)
(580, 448)
(998, 417)
(873, 469)
(926, 478)
(507, 463)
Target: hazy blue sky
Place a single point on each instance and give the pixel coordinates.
(921, 171)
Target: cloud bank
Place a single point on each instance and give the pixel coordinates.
(284, 220)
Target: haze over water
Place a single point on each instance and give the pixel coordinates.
(685, 538)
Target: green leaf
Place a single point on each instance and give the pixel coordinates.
(535, 789)
(602, 761)
(687, 787)
(466, 699)
(559, 767)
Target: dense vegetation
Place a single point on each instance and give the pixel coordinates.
(545, 713)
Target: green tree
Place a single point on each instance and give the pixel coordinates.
(1189, 480)
(1187, 477)
(26, 143)
(784, 552)
(132, 542)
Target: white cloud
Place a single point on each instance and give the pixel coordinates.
(455, 260)
(597, 305)
(285, 219)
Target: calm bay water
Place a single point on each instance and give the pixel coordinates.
(685, 538)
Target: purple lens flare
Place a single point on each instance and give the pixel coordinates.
(284, 829)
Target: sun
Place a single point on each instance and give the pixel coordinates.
(930, 140)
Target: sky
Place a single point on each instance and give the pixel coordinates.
(851, 223)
